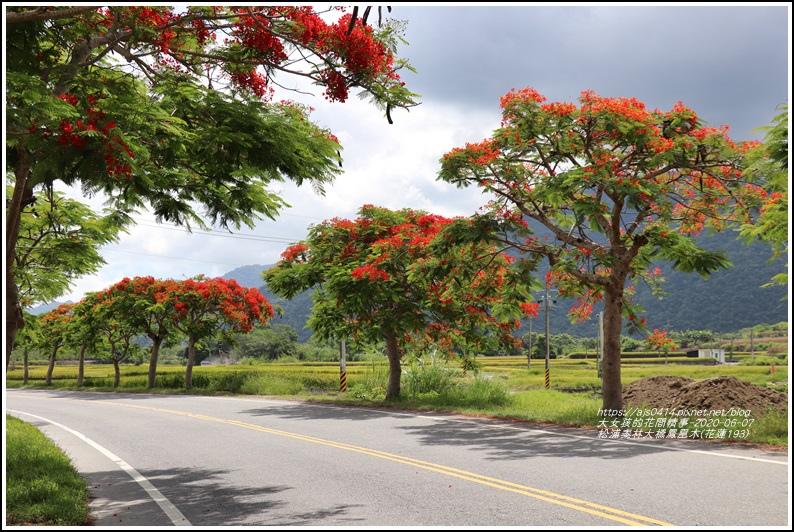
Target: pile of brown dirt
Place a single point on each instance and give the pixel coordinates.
(654, 392)
(715, 393)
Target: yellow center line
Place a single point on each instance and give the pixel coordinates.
(580, 505)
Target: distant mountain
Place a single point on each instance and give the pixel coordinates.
(729, 300)
(248, 276)
(41, 309)
(294, 312)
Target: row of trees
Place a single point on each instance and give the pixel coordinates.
(166, 311)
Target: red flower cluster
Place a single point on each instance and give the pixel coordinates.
(369, 272)
(253, 33)
(530, 309)
(513, 98)
(157, 18)
(71, 134)
(253, 81)
(660, 340)
(295, 252)
(630, 108)
(336, 87)
(559, 108)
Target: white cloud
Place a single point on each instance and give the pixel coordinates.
(393, 166)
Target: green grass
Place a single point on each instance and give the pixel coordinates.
(42, 486)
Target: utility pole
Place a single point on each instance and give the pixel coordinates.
(529, 353)
(546, 304)
(752, 346)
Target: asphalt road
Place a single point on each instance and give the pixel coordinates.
(154, 460)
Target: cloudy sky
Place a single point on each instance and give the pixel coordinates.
(729, 63)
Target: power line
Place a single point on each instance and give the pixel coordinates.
(222, 234)
(174, 258)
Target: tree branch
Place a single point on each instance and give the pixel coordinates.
(47, 13)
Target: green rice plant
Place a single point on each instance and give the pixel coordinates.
(318, 382)
(272, 384)
(42, 485)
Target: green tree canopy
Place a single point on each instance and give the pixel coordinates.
(770, 165)
(59, 241)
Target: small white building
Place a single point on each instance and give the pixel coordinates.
(717, 354)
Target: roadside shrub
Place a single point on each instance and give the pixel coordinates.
(171, 380)
(771, 427)
(371, 385)
(481, 392)
(229, 381)
(428, 375)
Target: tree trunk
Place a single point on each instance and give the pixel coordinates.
(21, 197)
(191, 359)
(51, 365)
(612, 389)
(394, 355)
(81, 365)
(116, 373)
(25, 363)
(156, 341)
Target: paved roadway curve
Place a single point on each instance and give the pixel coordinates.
(154, 460)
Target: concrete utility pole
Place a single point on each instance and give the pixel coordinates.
(529, 353)
(546, 304)
(752, 346)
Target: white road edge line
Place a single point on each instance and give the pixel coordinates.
(170, 510)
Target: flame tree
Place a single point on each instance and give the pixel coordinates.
(142, 301)
(206, 307)
(172, 107)
(113, 327)
(54, 329)
(85, 331)
(380, 277)
(616, 185)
